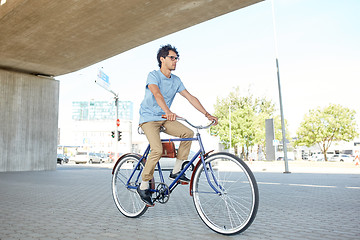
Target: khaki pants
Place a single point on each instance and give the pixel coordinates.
(152, 132)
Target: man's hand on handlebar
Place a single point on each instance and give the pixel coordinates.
(212, 118)
(170, 116)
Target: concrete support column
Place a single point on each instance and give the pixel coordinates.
(269, 139)
(29, 107)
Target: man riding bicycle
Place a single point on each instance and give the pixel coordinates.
(161, 88)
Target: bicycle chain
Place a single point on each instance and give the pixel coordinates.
(162, 193)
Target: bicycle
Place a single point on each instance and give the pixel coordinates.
(223, 188)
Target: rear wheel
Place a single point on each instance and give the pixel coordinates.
(233, 206)
(124, 193)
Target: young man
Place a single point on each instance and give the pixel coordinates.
(161, 88)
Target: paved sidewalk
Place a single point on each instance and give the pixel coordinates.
(75, 202)
(305, 167)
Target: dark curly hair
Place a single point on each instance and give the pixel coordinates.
(164, 51)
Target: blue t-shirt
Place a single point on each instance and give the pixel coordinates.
(149, 109)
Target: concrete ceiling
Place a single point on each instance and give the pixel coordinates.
(57, 37)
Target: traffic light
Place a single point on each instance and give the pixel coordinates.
(113, 134)
(119, 135)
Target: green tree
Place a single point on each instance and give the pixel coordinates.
(248, 116)
(324, 126)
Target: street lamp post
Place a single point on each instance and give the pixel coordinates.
(117, 125)
(103, 81)
(230, 148)
(280, 97)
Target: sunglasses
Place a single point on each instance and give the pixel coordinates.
(173, 58)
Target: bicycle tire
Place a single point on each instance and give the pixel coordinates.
(234, 209)
(127, 199)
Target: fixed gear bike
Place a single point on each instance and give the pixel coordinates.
(223, 188)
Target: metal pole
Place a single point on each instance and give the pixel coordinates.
(117, 128)
(117, 117)
(280, 97)
(230, 149)
(130, 149)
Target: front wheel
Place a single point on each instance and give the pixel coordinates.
(230, 205)
(124, 189)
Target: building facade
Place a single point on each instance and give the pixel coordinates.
(93, 123)
(101, 110)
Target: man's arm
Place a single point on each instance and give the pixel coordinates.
(161, 102)
(196, 103)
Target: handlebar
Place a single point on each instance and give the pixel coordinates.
(197, 127)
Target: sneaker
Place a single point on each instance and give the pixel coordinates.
(145, 196)
(183, 178)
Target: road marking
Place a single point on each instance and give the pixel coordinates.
(304, 185)
(353, 187)
(308, 185)
(269, 183)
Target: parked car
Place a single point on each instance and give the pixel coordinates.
(341, 158)
(317, 157)
(80, 157)
(61, 159)
(105, 157)
(96, 158)
(282, 159)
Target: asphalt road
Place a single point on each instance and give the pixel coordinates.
(75, 202)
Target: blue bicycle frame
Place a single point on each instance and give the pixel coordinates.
(172, 186)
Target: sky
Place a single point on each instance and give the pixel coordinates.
(318, 46)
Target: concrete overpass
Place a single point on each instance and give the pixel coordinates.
(42, 39)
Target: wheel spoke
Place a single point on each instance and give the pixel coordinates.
(126, 199)
(234, 209)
